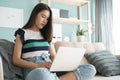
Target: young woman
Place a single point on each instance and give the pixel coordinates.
(33, 52)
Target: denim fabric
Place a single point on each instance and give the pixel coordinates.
(85, 72)
(39, 73)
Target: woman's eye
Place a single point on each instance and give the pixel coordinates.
(43, 16)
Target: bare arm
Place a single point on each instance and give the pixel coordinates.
(52, 51)
(17, 60)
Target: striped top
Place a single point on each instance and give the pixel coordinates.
(33, 43)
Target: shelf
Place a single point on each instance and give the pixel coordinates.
(79, 4)
(72, 2)
(68, 20)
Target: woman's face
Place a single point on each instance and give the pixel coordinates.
(42, 19)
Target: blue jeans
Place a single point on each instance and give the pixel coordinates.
(41, 74)
(83, 72)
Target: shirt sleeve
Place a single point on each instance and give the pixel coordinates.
(20, 32)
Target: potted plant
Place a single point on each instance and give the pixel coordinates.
(81, 35)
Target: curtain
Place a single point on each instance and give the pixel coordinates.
(104, 23)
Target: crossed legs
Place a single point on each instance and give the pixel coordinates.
(83, 72)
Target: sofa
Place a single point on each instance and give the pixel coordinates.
(90, 48)
(6, 48)
(1, 69)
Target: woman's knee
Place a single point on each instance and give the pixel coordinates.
(85, 72)
(38, 74)
(88, 69)
(41, 74)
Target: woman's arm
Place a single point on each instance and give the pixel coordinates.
(52, 51)
(17, 60)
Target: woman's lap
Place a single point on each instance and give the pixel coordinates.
(45, 74)
(86, 73)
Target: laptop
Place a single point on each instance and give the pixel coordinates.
(67, 59)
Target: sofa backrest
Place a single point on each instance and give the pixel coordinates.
(90, 47)
(9, 70)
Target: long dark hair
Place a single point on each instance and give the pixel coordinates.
(47, 30)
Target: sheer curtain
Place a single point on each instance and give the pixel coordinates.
(104, 23)
(116, 25)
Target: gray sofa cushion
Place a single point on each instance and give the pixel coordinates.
(11, 72)
(105, 63)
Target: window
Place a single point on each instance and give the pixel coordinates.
(116, 26)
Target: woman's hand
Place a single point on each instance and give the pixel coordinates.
(45, 64)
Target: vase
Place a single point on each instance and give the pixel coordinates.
(80, 38)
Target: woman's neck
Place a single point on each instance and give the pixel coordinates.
(34, 28)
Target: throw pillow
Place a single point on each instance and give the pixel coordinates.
(106, 63)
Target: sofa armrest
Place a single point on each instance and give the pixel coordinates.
(1, 69)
